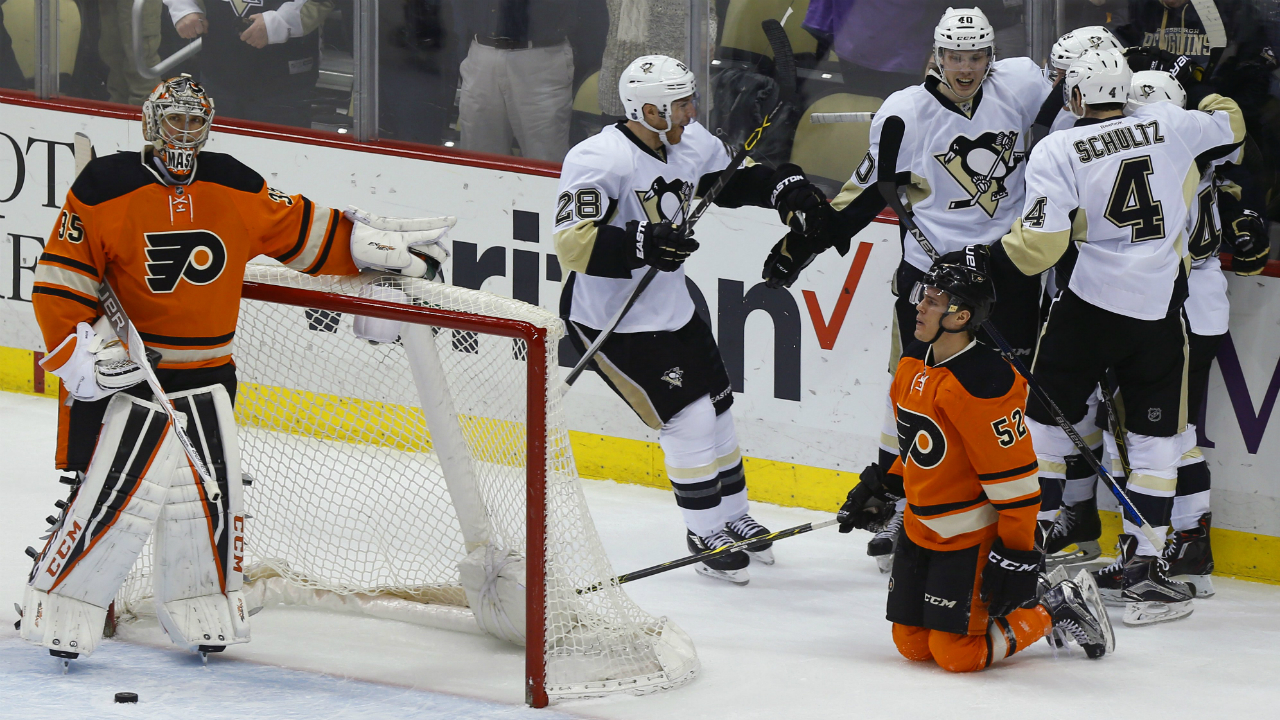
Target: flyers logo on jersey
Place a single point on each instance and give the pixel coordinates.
(198, 256)
(664, 200)
(920, 440)
(242, 6)
(982, 168)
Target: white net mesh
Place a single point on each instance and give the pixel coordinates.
(350, 497)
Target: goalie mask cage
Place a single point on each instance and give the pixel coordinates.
(382, 474)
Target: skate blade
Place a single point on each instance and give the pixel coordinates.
(737, 577)
(885, 563)
(1202, 583)
(762, 556)
(1082, 552)
(1093, 599)
(1137, 614)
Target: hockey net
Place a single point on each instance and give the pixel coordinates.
(380, 473)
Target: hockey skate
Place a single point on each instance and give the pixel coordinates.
(881, 546)
(731, 566)
(746, 527)
(1150, 596)
(1073, 539)
(1110, 579)
(1190, 556)
(1079, 615)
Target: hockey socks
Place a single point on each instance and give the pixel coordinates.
(970, 653)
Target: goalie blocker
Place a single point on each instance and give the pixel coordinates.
(138, 480)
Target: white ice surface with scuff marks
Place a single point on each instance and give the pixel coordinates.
(807, 638)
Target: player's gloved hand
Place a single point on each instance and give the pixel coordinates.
(1009, 578)
(868, 503)
(800, 204)
(1148, 57)
(662, 245)
(408, 246)
(91, 362)
(1252, 248)
(788, 257)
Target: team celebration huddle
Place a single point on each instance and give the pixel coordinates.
(1058, 303)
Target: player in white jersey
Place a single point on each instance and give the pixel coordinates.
(623, 195)
(955, 145)
(1118, 189)
(1066, 50)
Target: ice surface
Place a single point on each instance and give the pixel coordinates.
(807, 638)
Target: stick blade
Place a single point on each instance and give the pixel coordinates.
(784, 62)
(1212, 22)
(83, 152)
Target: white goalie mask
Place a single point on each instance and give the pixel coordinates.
(176, 120)
(1073, 45)
(655, 80)
(963, 32)
(1153, 86)
(1101, 76)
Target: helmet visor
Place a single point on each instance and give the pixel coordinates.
(976, 61)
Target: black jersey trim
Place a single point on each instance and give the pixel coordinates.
(1025, 502)
(111, 176)
(942, 508)
(65, 295)
(982, 372)
(328, 244)
(187, 341)
(987, 477)
(931, 84)
(1206, 158)
(84, 267)
(225, 170)
(303, 232)
(626, 133)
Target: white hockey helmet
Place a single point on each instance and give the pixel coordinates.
(655, 80)
(1101, 76)
(963, 29)
(1080, 41)
(1153, 86)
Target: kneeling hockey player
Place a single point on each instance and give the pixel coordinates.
(966, 588)
(171, 229)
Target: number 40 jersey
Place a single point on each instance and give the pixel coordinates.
(1120, 189)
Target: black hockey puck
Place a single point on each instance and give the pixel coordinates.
(126, 697)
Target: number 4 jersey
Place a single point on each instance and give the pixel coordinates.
(966, 460)
(1120, 189)
(175, 254)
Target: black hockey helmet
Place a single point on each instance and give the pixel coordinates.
(967, 286)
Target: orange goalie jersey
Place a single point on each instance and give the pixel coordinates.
(965, 454)
(176, 254)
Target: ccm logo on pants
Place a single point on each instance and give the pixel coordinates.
(939, 601)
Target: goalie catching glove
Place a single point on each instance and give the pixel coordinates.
(871, 501)
(92, 363)
(409, 246)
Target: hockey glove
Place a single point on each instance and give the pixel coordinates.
(788, 257)
(91, 362)
(413, 247)
(868, 503)
(662, 245)
(1252, 248)
(1009, 578)
(800, 204)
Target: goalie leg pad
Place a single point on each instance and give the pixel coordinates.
(199, 544)
(104, 528)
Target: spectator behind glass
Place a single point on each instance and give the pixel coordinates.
(261, 58)
(517, 78)
(644, 27)
(115, 47)
(10, 74)
(884, 45)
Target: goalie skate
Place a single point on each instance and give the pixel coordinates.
(730, 567)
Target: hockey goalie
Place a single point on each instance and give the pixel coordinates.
(170, 230)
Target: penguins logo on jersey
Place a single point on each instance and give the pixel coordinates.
(982, 166)
(199, 256)
(920, 440)
(241, 7)
(664, 200)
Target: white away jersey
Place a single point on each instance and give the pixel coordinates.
(966, 170)
(1208, 309)
(1063, 120)
(612, 179)
(1121, 188)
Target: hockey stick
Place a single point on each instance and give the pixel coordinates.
(688, 224)
(1113, 421)
(128, 334)
(784, 62)
(841, 117)
(746, 544)
(889, 190)
(1213, 28)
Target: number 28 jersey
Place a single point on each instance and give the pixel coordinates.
(1121, 190)
(965, 455)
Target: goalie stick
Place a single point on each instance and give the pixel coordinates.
(128, 334)
(746, 544)
(889, 190)
(689, 221)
